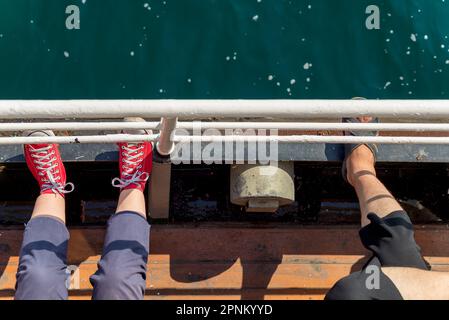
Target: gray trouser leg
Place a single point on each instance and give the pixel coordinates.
(42, 272)
(121, 273)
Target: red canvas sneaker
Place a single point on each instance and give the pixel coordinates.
(136, 162)
(45, 163)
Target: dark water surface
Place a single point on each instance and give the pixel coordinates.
(298, 49)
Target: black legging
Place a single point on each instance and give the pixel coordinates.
(391, 240)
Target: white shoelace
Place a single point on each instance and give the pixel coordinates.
(131, 162)
(46, 166)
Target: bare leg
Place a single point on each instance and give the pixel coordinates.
(373, 195)
(413, 284)
(132, 200)
(52, 205)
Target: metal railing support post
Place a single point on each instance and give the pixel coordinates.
(165, 145)
(159, 191)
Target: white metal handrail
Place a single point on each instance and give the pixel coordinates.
(165, 143)
(113, 138)
(306, 126)
(170, 110)
(203, 109)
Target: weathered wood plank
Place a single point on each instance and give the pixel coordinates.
(232, 261)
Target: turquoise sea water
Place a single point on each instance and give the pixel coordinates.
(205, 49)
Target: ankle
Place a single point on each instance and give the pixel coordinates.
(131, 200)
(56, 193)
(140, 187)
(360, 164)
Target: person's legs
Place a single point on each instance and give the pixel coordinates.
(386, 231)
(373, 196)
(42, 266)
(122, 269)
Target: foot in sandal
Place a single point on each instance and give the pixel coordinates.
(359, 158)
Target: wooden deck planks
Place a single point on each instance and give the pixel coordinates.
(230, 261)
